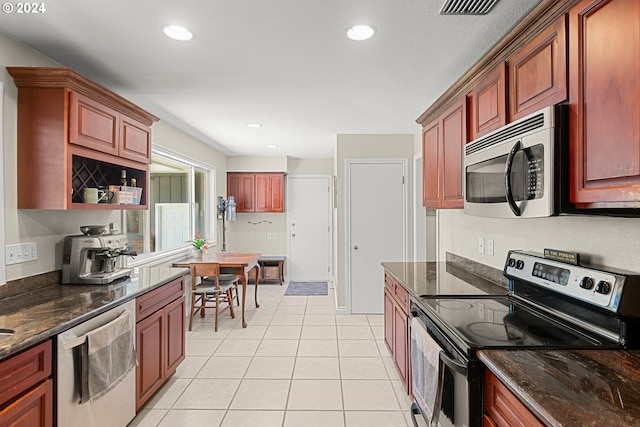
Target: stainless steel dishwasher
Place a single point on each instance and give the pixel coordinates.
(117, 407)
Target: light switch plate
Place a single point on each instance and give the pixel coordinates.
(21, 252)
(481, 245)
(490, 247)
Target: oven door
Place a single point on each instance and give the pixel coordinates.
(457, 388)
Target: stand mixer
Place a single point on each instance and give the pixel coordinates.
(95, 259)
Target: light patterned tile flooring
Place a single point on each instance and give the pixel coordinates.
(296, 364)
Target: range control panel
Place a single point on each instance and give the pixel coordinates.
(596, 287)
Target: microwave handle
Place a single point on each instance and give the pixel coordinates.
(507, 179)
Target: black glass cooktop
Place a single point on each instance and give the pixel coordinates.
(504, 322)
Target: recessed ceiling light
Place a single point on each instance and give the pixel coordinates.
(361, 32)
(272, 146)
(255, 125)
(177, 32)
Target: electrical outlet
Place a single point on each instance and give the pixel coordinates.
(490, 247)
(21, 252)
(273, 236)
(481, 245)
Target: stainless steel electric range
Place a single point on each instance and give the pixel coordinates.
(550, 304)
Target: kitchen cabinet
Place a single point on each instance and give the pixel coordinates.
(74, 134)
(604, 89)
(160, 337)
(538, 71)
(396, 328)
(26, 396)
(442, 143)
(502, 408)
(256, 192)
(489, 103)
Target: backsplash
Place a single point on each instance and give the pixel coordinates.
(29, 284)
(491, 274)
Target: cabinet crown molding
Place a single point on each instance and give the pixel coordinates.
(66, 78)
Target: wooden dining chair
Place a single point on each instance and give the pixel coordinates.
(210, 289)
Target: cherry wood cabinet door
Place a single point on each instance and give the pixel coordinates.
(242, 187)
(174, 338)
(388, 321)
(33, 409)
(503, 408)
(135, 141)
(454, 138)
(263, 193)
(400, 346)
(151, 364)
(430, 168)
(604, 65)
(93, 125)
(538, 72)
(276, 183)
(489, 103)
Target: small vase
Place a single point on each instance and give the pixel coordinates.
(198, 254)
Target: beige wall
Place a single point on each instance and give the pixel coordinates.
(48, 228)
(614, 242)
(360, 147)
(257, 163)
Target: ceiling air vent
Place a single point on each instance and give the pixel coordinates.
(467, 7)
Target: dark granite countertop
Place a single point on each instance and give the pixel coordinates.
(446, 278)
(570, 388)
(41, 314)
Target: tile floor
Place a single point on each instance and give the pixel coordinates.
(296, 364)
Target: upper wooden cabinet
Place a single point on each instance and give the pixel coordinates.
(256, 192)
(538, 71)
(74, 134)
(489, 103)
(442, 143)
(604, 91)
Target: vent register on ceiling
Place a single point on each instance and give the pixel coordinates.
(467, 7)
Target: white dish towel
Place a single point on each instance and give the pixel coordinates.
(425, 365)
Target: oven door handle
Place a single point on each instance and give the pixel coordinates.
(453, 364)
(507, 179)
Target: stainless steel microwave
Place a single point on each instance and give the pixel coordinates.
(515, 171)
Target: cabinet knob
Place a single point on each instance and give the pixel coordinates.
(355, 247)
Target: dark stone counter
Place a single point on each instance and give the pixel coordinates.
(570, 388)
(41, 314)
(445, 278)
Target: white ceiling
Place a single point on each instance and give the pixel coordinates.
(284, 63)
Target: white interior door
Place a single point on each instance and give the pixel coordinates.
(172, 225)
(309, 224)
(376, 200)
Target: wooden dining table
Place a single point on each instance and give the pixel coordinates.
(239, 263)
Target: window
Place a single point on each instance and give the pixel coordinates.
(181, 198)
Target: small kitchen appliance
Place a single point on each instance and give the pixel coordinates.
(550, 305)
(95, 259)
(516, 171)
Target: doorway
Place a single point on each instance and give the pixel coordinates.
(376, 228)
(309, 226)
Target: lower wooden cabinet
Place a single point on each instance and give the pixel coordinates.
(159, 339)
(396, 328)
(33, 409)
(502, 408)
(26, 388)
